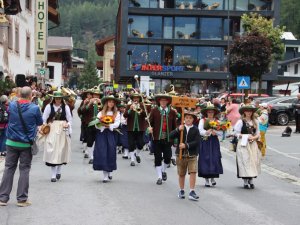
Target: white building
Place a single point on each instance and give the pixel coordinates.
(17, 54)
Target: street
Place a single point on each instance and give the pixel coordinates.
(132, 197)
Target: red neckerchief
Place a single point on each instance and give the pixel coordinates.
(23, 101)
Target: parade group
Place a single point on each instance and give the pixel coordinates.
(129, 122)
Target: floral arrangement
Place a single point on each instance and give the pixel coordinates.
(217, 125)
(102, 121)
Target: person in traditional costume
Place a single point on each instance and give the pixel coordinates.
(248, 156)
(90, 110)
(189, 146)
(86, 117)
(57, 145)
(105, 157)
(123, 135)
(263, 120)
(209, 162)
(162, 121)
(136, 126)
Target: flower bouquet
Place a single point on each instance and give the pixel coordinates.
(102, 121)
(216, 125)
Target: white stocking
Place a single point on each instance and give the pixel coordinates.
(53, 172)
(158, 171)
(58, 170)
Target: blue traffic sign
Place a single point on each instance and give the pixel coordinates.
(243, 82)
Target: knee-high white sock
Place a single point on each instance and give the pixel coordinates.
(53, 172)
(58, 169)
(173, 151)
(158, 171)
(126, 151)
(132, 156)
(206, 181)
(84, 147)
(91, 152)
(105, 175)
(245, 181)
(138, 152)
(164, 167)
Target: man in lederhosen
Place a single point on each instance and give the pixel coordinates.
(136, 126)
(163, 121)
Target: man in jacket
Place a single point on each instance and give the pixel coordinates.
(18, 147)
(297, 113)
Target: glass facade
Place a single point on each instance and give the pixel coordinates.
(182, 27)
(239, 5)
(191, 58)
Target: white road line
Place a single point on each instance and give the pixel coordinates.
(282, 153)
(270, 170)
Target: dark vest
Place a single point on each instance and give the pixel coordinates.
(52, 113)
(247, 129)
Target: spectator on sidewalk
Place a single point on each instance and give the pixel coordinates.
(18, 147)
(296, 106)
(3, 123)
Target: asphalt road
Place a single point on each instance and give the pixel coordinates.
(132, 197)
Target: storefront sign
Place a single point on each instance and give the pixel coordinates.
(158, 68)
(169, 74)
(41, 30)
(152, 85)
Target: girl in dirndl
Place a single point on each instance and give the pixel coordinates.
(248, 156)
(105, 157)
(209, 162)
(57, 144)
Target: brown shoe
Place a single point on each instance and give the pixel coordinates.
(3, 203)
(24, 204)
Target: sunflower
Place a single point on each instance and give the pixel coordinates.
(228, 124)
(213, 124)
(107, 119)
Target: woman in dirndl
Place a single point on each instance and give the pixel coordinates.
(248, 156)
(105, 158)
(209, 161)
(57, 144)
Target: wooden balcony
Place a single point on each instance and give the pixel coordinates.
(99, 65)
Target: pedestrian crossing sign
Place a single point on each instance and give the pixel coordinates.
(243, 82)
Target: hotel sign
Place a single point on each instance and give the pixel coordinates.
(41, 30)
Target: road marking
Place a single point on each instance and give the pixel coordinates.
(282, 153)
(270, 170)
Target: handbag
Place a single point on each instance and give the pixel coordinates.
(34, 147)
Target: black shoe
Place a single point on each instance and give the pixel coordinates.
(207, 185)
(246, 186)
(193, 196)
(138, 159)
(159, 181)
(3, 154)
(58, 176)
(252, 186)
(173, 162)
(53, 179)
(86, 156)
(91, 161)
(105, 181)
(125, 157)
(181, 194)
(132, 163)
(164, 176)
(110, 177)
(214, 183)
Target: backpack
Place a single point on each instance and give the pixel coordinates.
(3, 114)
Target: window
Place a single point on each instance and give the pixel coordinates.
(296, 69)
(168, 55)
(154, 3)
(28, 46)
(214, 4)
(186, 56)
(231, 4)
(211, 28)
(139, 3)
(28, 4)
(145, 27)
(143, 54)
(10, 36)
(186, 4)
(258, 5)
(234, 28)
(211, 59)
(185, 28)
(51, 72)
(17, 39)
(242, 5)
(168, 27)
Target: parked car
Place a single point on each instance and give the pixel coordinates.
(281, 110)
(240, 95)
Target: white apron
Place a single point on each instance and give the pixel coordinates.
(57, 144)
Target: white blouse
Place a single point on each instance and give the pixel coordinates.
(111, 126)
(47, 113)
(238, 127)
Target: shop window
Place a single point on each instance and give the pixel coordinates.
(145, 27)
(242, 5)
(259, 5)
(231, 4)
(168, 55)
(155, 27)
(168, 3)
(185, 28)
(211, 28)
(143, 54)
(17, 39)
(211, 59)
(186, 56)
(234, 27)
(168, 27)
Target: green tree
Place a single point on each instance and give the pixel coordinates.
(250, 55)
(289, 16)
(256, 23)
(89, 77)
